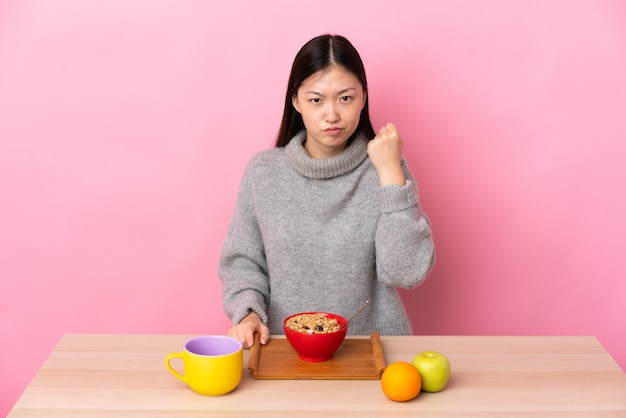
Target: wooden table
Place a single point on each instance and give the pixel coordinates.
(499, 376)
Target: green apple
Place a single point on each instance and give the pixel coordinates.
(434, 368)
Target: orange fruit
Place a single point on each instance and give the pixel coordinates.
(401, 381)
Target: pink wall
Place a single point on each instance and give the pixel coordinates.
(125, 127)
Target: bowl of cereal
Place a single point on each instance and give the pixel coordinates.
(315, 336)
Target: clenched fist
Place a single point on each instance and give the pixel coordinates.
(385, 151)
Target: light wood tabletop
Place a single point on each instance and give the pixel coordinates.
(96, 375)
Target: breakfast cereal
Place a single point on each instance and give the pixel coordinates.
(315, 323)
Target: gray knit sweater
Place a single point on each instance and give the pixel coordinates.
(323, 235)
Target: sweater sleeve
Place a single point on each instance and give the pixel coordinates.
(405, 251)
(242, 267)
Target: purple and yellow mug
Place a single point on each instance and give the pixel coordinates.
(213, 364)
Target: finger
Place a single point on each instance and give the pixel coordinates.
(232, 333)
(249, 337)
(391, 127)
(235, 333)
(382, 132)
(265, 335)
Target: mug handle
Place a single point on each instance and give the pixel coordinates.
(171, 369)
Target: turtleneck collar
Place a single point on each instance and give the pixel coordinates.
(344, 162)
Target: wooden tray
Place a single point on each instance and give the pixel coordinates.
(356, 359)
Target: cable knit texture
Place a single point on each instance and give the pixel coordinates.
(323, 235)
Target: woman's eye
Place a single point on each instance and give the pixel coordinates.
(346, 98)
(316, 100)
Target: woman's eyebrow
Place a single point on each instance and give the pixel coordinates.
(347, 89)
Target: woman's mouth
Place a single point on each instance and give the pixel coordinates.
(332, 131)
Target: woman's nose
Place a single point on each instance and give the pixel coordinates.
(331, 114)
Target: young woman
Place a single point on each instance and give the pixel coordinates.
(330, 216)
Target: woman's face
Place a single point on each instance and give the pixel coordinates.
(330, 102)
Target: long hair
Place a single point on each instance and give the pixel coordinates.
(319, 54)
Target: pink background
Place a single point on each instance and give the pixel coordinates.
(125, 127)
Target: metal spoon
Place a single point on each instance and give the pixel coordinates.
(355, 314)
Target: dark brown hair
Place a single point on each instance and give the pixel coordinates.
(319, 54)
